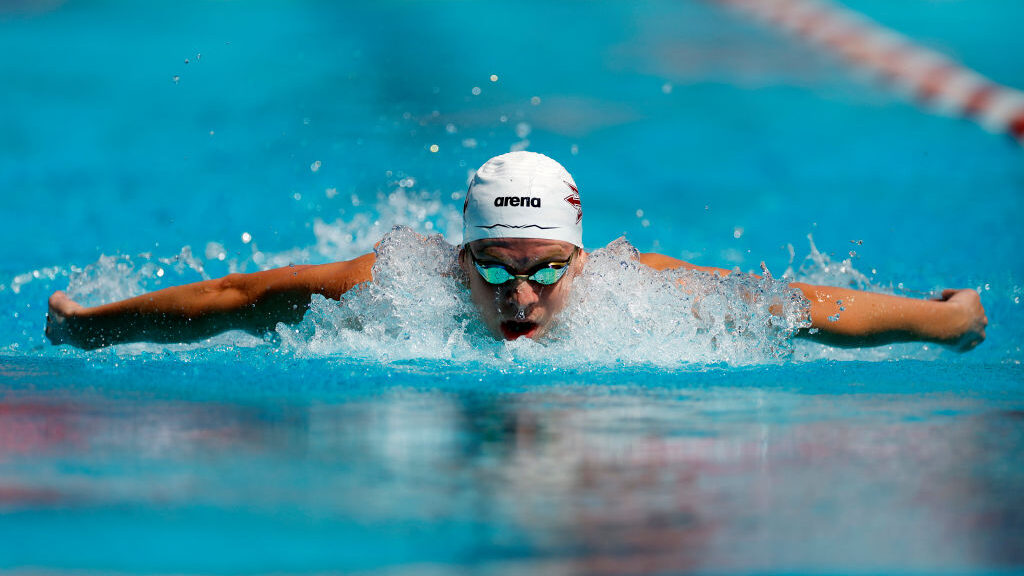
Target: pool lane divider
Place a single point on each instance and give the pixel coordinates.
(929, 78)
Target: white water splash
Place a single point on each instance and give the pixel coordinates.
(113, 278)
(818, 268)
(620, 313)
(345, 239)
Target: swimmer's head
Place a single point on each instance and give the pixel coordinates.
(522, 229)
(520, 284)
(523, 195)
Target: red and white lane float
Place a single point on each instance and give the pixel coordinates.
(929, 78)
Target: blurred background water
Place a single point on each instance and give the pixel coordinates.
(161, 142)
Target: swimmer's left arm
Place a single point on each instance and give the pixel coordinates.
(662, 262)
(846, 317)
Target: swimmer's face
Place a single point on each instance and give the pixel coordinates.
(519, 307)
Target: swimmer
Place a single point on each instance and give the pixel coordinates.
(522, 248)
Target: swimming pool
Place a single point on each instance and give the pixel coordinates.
(260, 134)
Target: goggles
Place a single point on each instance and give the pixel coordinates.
(545, 275)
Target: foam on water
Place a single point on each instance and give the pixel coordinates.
(347, 238)
(620, 312)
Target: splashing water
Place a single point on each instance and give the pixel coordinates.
(415, 307)
(620, 313)
(345, 239)
(113, 278)
(818, 268)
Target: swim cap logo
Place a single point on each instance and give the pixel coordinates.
(574, 201)
(524, 201)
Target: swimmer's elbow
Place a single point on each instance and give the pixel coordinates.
(234, 291)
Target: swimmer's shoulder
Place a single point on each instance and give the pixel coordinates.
(334, 279)
(662, 262)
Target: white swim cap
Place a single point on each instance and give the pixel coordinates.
(522, 195)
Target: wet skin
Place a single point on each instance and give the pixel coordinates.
(519, 307)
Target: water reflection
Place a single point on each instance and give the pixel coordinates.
(578, 480)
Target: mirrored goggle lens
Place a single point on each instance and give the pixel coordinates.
(499, 275)
(548, 275)
(494, 274)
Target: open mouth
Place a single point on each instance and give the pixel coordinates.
(511, 329)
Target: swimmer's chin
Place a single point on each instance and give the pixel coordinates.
(511, 330)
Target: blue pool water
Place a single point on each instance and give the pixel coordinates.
(389, 435)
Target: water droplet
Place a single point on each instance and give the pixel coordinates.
(315, 166)
(535, 100)
(639, 213)
(246, 237)
(434, 148)
(737, 232)
(176, 79)
(331, 192)
(451, 128)
(494, 77)
(475, 90)
(666, 88)
(574, 149)
(160, 272)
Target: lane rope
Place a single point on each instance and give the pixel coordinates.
(930, 79)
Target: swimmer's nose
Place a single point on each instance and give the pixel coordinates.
(522, 294)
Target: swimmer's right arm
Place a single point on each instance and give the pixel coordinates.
(254, 302)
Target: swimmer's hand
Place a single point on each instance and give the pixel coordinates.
(61, 320)
(967, 318)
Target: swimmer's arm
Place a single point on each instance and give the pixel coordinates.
(662, 262)
(846, 317)
(254, 302)
(871, 319)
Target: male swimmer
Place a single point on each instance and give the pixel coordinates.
(522, 248)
